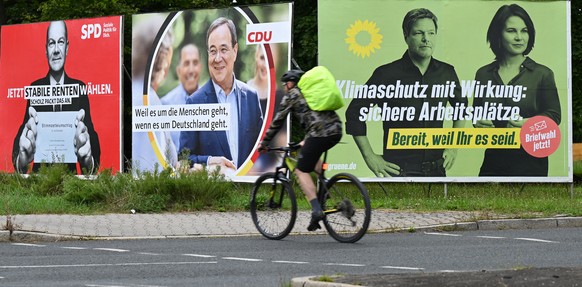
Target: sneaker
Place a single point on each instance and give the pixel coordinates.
(316, 216)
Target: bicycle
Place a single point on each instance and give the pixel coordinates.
(343, 198)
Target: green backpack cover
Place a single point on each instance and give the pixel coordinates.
(320, 90)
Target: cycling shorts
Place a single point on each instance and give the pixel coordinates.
(312, 150)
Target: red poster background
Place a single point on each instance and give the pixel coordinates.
(94, 60)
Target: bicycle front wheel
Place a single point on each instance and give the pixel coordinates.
(273, 206)
(347, 208)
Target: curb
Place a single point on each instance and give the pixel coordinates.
(24, 236)
(308, 282)
(536, 223)
(31, 236)
(497, 224)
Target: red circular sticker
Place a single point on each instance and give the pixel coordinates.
(540, 136)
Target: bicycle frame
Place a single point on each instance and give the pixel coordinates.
(344, 222)
(286, 169)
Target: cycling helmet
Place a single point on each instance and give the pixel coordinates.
(292, 76)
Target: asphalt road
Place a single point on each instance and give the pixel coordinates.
(254, 261)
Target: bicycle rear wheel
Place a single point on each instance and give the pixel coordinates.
(273, 206)
(347, 207)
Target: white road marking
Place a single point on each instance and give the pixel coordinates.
(536, 240)
(290, 262)
(104, 265)
(29, 244)
(345, 264)
(148, 253)
(242, 259)
(200, 255)
(491, 237)
(111, 249)
(99, 285)
(402, 268)
(442, 234)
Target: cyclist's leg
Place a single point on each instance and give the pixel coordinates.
(308, 157)
(330, 142)
(309, 160)
(306, 184)
(319, 167)
(308, 187)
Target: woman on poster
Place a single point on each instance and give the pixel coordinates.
(511, 36)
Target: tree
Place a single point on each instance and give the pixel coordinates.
(304, 32)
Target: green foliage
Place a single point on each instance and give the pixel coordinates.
(304, 33)
(106, 188)
(49, 180)
(17, 12)
(578, 169)
(83, 192)
(53, 190)
(151, 192)
(199, 189)
(324, 278)
(75, 9)
(517, 199)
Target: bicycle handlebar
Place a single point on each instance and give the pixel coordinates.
(293, 146)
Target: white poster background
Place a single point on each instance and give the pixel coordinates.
(54, 138)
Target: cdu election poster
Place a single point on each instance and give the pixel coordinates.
(205, 86)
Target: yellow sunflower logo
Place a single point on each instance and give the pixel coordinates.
(363, 32)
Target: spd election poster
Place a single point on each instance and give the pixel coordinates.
(61, 95)
(451, 91)
(205, 88)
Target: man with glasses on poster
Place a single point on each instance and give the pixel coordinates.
(64, 112)
(228, 149)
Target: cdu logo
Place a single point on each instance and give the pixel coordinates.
(266, 33)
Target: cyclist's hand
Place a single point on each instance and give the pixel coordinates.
(262, 148)
(380, 167)
(302, 143)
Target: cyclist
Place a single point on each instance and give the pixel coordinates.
(323, 130)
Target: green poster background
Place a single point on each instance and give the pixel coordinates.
(461, 42)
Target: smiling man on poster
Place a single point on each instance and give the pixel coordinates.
(57, 125)
(228, 148)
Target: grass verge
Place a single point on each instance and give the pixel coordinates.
(54, 190)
